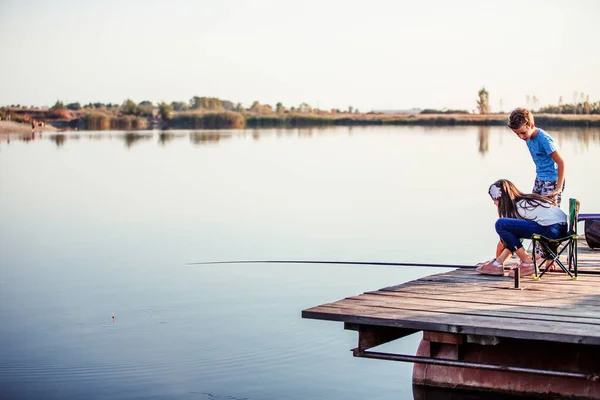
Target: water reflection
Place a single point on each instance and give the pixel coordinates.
(305, 132)
(208, 137)
(59, 139)
(165, 137)
(131, 138)
(483, 139)
(583, 136)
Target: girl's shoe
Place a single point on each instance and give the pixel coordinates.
(491, 267)
(524, 269)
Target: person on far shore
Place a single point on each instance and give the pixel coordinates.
(521, 216)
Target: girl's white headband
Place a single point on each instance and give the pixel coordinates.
(495, 192)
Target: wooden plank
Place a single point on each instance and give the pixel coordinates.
(445, 287)
(587, 282)
(445, 309)
(543, 284)
(570, 304)
(547, 282)
(462, 322)
(456, 323)
(565, 307)
(474, 287)
(530, 287)
(503, 296)
(480, 309)
(492, 310)
(559, 276)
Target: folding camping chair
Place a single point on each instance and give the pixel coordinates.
(550, 247)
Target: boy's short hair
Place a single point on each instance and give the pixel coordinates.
(520, 117)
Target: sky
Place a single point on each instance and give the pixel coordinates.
(371, 55)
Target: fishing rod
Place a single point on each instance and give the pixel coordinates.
(377, 263)
(393, 264)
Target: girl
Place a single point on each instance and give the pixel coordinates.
(522, 215)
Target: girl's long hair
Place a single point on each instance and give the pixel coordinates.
(510, 196)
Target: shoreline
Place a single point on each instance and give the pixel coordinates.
(545, 120)
(13, 127)
(223, 120)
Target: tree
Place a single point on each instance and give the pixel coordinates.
(59, 105)
(279, 108)
(164, 110)
(179, 106)
(207, 103)
(304, 108)
(255, 107)
(214, 104)
(145, 108)
(196, 102)
(129, 107)
(586, 105)
(483, 103)
(560, 104)
(74, 106)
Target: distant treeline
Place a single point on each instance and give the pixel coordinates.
(434, 111)
(301, 120)
(578, 108)
(99, 122)
(210, 120)
(214, 113)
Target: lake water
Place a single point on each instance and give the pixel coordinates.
(96, 223)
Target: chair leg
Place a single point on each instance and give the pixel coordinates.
(574, 249)
(573, 258)
(571, 255)
(547, 260)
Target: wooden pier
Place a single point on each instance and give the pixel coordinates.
(479, 332)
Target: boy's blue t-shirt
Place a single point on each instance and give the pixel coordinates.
(540, 147)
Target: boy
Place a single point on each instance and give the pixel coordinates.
(549, 165)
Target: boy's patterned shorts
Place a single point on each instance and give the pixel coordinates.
(544, 187)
